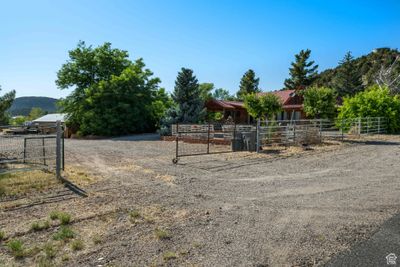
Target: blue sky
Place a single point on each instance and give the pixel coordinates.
(218, 39)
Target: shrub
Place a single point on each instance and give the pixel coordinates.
(134, 214)
(374, 102)
(54, 215)
(64, 233)
(49, 251)
(16, 247)
(39, 226)
(169, 255)
(97, 239)
(77, 245)
(64, 217)
(2, 190)
(162, 234)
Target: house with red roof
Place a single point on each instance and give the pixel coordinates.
(292, 107)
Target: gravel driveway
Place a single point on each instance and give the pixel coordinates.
(226, 210)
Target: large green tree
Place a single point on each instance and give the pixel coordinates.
(206, 91)
(5, 103)
(265, 105)
(248, 84)
(111, 94)
(222, 94)
(188, 98)
(302, 71)
(347, 80)
(319, 102)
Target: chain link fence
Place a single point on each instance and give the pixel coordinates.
(24, 149)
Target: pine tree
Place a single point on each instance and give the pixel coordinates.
(5, 103)
(187, 96)
(348, 79)
(248, 84)
(302, 73)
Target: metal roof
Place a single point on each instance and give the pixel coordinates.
(52, 118)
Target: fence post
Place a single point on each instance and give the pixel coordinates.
(44, 152)
(258, 135)
(63, 149)
(208, 138)
(359, 127)
(341, 129)
(58, 150)
(24, 150)
(379, 125)
(294, 132)
(320, 130)
(368, 120)
(234, 136)
(177, 142)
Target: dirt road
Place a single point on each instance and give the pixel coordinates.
(222, 210)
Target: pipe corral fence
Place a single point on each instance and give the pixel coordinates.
(212, 137)
(26, 149)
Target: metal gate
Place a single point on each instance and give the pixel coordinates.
(27, 149)
(214, 137)
(207, 138)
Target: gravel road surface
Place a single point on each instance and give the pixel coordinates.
(236, 209)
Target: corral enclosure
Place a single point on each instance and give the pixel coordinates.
(209, 138)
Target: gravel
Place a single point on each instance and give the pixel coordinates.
(237, 209)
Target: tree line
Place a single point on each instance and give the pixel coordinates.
(114, 95)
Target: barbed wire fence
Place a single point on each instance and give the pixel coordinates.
(24, 149)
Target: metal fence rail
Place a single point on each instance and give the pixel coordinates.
(24, 150)
(211, 138)
(201, 139)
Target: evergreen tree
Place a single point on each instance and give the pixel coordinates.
(302, 73)
(5, 103)
(187, 96)
(248, 84)
(347, 80)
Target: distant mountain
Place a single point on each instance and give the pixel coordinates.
(23, 105)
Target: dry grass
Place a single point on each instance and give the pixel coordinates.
(21, 183)
(162, 234)
(78, 175)
(25, 183)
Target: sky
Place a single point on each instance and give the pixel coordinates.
(219, 39)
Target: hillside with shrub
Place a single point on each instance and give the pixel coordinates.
(22, 106)
(365, 67)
